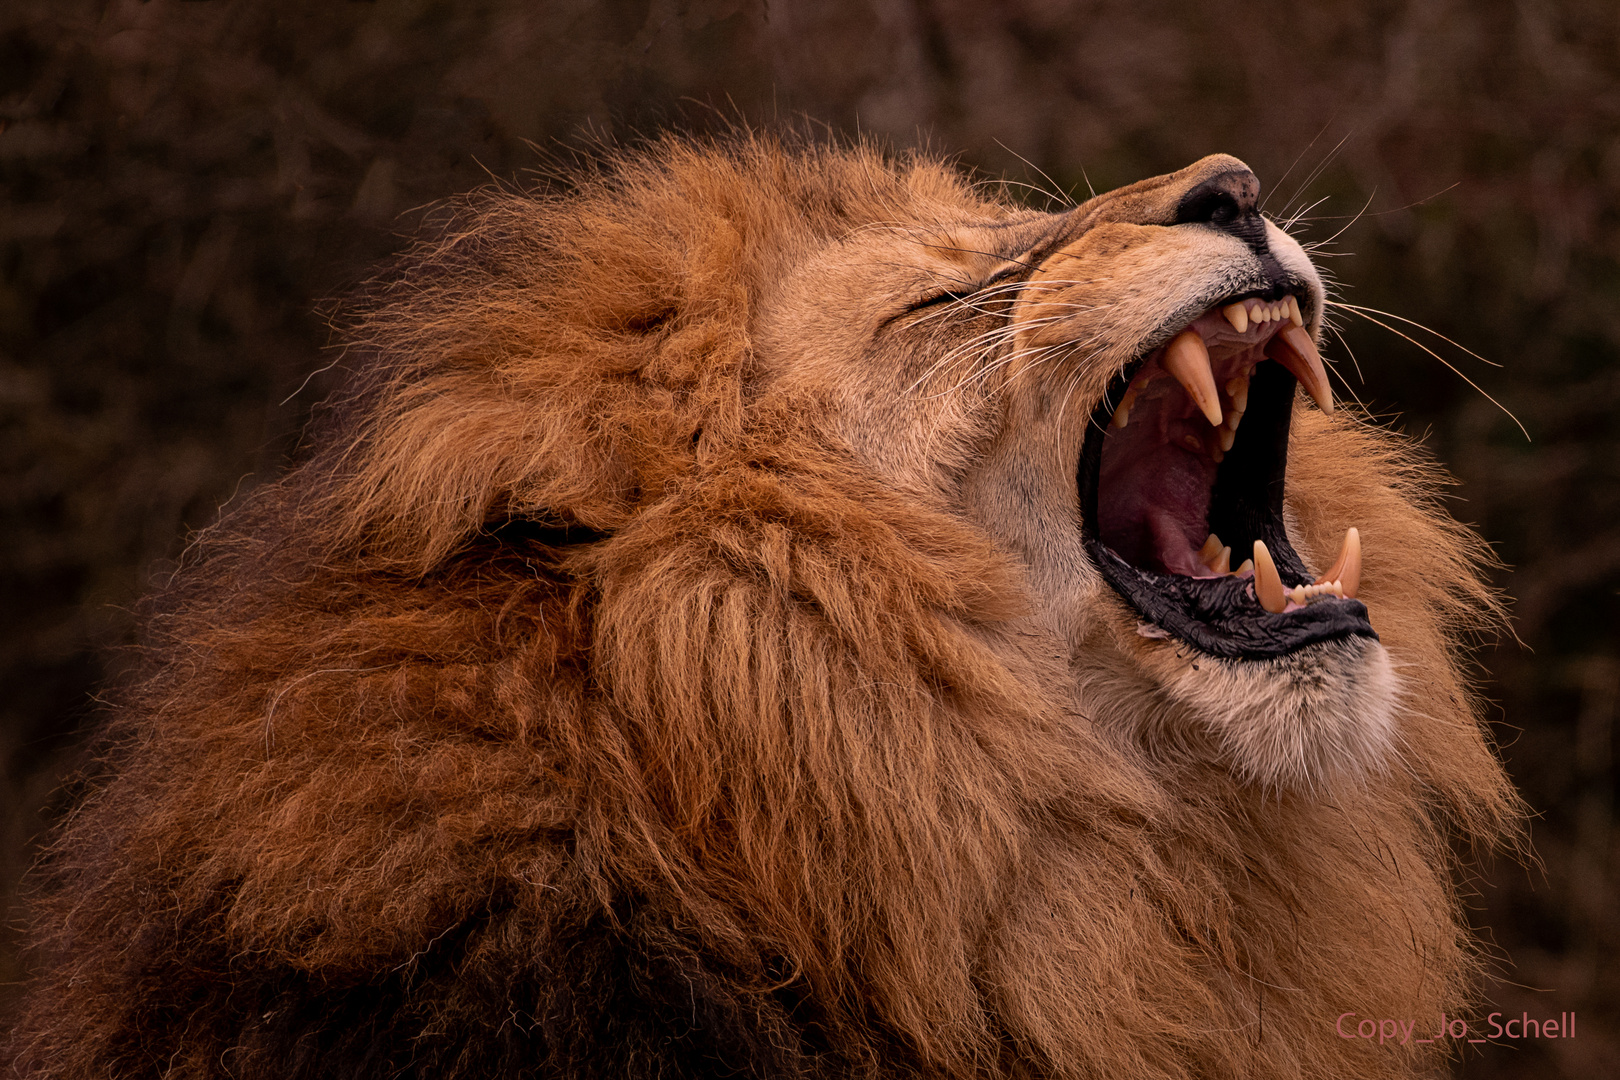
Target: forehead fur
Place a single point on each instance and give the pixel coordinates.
(565, 354)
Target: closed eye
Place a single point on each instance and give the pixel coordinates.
(931, 300)
(1006, 273)
(938, 298)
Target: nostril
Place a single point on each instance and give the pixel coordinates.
(1222, 200)
(1214, 207)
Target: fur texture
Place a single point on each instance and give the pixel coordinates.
(676, 660)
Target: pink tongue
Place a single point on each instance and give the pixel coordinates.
(1156, 510)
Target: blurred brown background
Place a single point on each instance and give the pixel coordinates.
(188, 184)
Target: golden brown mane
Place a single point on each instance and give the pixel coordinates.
(585, 625)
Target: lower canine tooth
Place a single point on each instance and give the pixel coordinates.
(1293, 348)
(1268, 586)
(1346, 569)
(1188, 360)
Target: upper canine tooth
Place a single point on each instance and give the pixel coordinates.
(1268, 586)
(1238, 316)
(1293, 348)
(1346, 569)
(1188, 360)
(1293, 312)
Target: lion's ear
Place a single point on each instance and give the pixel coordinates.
(528, 367)
(456, 452)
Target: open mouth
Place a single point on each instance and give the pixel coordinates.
(1183, 474)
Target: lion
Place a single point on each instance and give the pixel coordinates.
(783, 609)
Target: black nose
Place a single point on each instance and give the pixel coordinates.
(1230, 201)
(1227, 201)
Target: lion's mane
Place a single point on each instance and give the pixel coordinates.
(577, 708)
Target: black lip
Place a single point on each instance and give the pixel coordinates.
(1220, 616)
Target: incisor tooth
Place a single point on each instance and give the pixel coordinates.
(1293, 312)
(1257, 313)
(1293, 348)
(1188, 360)
(1304, 594)
(1268, 586)
(1346, 569)
(1238, 316)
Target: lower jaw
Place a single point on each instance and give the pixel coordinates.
(1220, 616)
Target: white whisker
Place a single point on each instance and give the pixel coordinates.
(1363, 312)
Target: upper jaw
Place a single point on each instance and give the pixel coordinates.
(1186, 456)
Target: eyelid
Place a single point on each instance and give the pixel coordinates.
(941, 297)
(1012, 269)
(926, 302)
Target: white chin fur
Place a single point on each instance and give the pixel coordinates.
(1303, 722)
